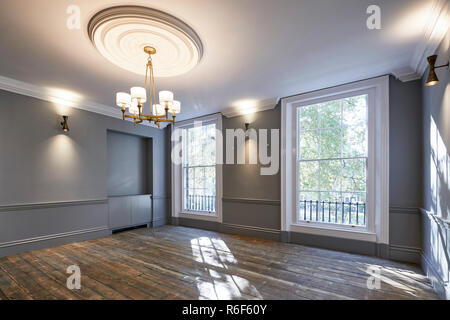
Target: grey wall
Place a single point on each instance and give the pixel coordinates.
(44, 171)
(405, 163)
(251, 201)
(436, 183)
(128, 164)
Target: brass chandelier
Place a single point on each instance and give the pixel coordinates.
(137, 97)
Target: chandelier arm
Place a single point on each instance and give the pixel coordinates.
(166, 120)
(147, 68)
(145, 87)
(153, 89)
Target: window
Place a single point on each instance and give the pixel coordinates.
(197, 152)
(199, 169)
(335, 162)
(332, 161)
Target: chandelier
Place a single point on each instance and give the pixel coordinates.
(165, 111)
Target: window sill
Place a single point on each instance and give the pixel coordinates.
(356, 233)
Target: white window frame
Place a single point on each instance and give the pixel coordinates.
(377, 229)
(178, 176)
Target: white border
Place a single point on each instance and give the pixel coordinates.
(177, 184)
(380, 228)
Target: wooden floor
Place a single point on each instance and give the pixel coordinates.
(183, 263)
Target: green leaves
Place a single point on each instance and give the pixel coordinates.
(333, 146)
(200, 159)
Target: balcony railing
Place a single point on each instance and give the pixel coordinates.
(200, 203)
(345, 213)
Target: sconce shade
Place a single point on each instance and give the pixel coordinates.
(64, 124)
(133, 109)
(165, 96)
(122, 99)
(138, 93)
(175, 107)
(158, 110)
(432, 77)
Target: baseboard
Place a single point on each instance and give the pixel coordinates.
(441, 288)
(53, 240)
(333, 243)
(196, 223)
(405, 254)
(436, 232)
(158, 222)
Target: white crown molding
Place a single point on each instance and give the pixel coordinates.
(434, 32)
(30, 90)
(262, 105)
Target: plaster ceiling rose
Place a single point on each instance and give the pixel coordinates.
(121, 33)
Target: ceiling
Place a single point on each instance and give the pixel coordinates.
(255, 51)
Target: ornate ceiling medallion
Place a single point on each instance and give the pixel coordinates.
(121, 33)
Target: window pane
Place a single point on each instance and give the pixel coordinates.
(355, 111)
(308, 196)
(210, 182)
(355, 206)
(309, 176)
(309, 145)
(309, 118)
(200, 172)
(330, 175)
(354, 197)
(354, 142)
(330, 143)
(333, 150)
(330, 196)
(354, 175)
(308, 205)
(190, 178)
(330, 114)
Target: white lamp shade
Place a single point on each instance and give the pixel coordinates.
(133, 109)
(123, 98)
(175, 107)
(158, 110)
(165, 96)
(138, 93)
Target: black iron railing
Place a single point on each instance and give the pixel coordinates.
(349, 213)
(200, 203)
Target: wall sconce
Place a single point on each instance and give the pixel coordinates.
(432, 77)
(64, 124)
(247, 126)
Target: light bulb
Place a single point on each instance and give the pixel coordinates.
(122, 99)
(138, 94)
(165, 97)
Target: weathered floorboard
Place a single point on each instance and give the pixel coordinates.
(182, 263)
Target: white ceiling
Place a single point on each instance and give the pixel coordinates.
(254, 49)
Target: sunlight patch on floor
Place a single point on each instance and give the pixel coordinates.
(219, 285)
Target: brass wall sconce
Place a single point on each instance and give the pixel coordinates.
(64, 124)
(432, 77)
